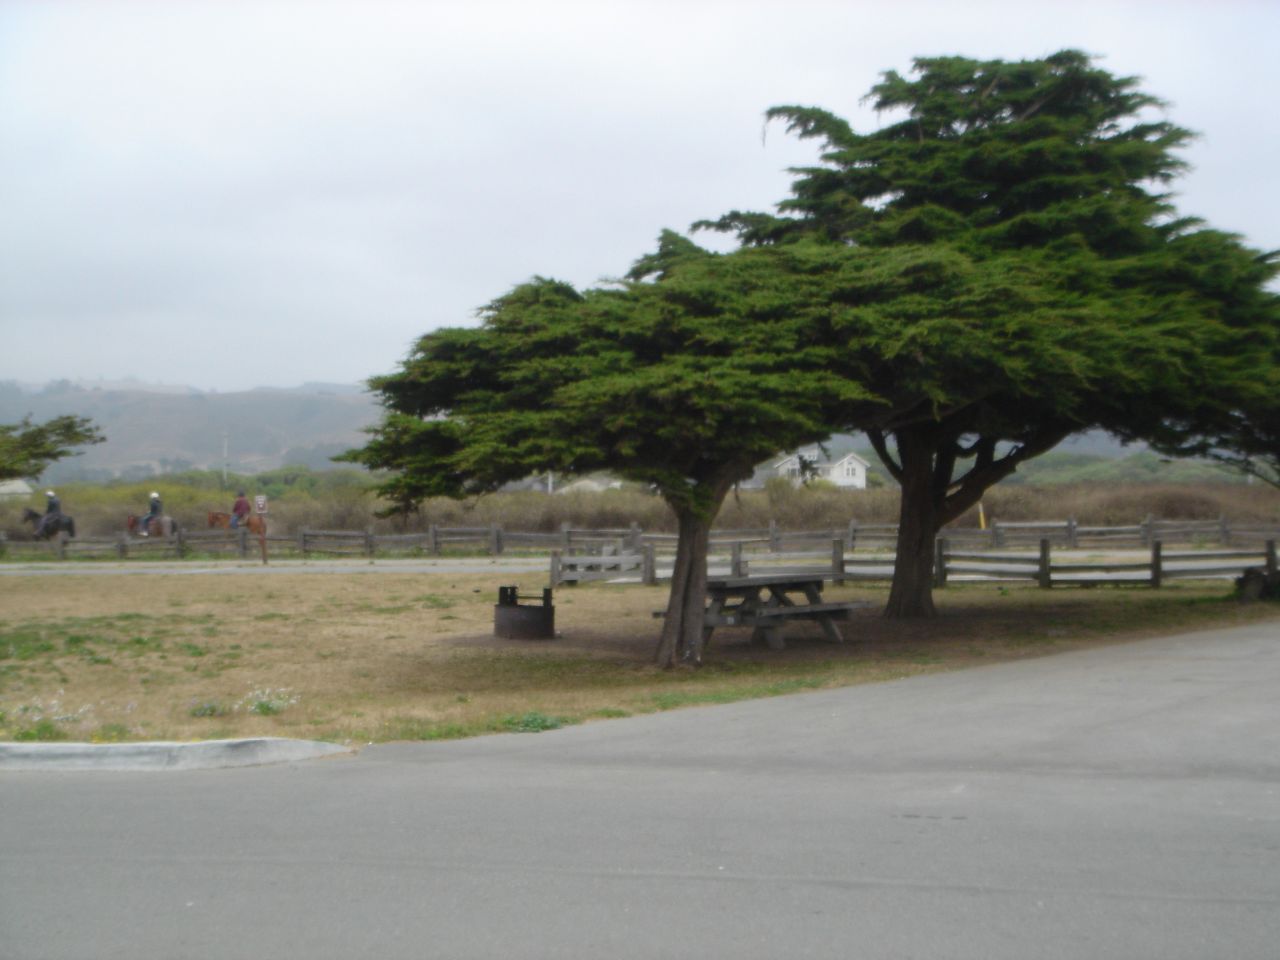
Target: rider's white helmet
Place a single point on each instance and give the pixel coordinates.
(49, 493)
(154, 495)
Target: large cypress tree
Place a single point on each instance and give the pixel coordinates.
(683, 377)
(1010, 273)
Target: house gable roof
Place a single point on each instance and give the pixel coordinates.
(816, 457)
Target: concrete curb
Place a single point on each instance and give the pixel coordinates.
(162, 755)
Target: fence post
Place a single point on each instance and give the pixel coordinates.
(775, 538)
(495, 540)
(997, 535)
(1224, 531)
(565, 535)
(182, 542)
(940, 547)
(636, 534)
(837, 560)
(555, 568)
(735, 559)
(648, 565)
(1073, 540)
(1044, 572)
(433, 539)
(122, 546)
(1157, 565)
(851, 536)
(242, 541)
(1147, 526)
(302, 542)
(4, 543)
(62, 545)
(369, 544)
(1271, 558)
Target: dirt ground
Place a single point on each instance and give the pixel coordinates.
(383, 655)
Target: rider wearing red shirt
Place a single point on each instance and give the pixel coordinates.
(240, 510)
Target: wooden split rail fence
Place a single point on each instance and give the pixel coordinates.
(1160, 566)
(627, 546)
(1154, 569)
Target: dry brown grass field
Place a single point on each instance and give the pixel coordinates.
(392, 655)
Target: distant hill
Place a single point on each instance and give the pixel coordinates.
(157, 430)
(154, 429)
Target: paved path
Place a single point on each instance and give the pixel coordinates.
(1115, 803)
(223, 567)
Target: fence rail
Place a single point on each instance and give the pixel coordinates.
(1160, 566)
(730, 547)
(1041, 567)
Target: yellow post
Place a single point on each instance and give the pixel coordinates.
(982, 517)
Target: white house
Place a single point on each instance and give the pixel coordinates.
(844, 470)
(15, 490)
(597, 483)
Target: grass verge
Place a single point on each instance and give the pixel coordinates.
(393, 656)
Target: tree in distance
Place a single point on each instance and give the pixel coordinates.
(27, 448)
(1003, 274)
(683, 377)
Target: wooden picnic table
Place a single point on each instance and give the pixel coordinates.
(769, 601)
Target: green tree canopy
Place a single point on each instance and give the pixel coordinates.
(1009, 274)
(971, 283)
(684, 376)
(27, 448)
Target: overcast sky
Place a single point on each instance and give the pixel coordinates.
(236, 194)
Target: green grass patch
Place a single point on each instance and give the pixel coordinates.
(533, 722)
(672, 699)
(44, 731)
(420, 728)
(111, 733)
(609, 713)
(209, 708)
(24, 644)
(434, 601)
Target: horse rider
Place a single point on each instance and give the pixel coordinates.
(52, 514)
(153, 514)
(240, 510)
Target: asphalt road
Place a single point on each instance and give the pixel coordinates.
(1114, 803)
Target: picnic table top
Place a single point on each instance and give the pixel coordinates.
(767, 580)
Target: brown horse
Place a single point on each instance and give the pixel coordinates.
(254, 523)
(149, 526)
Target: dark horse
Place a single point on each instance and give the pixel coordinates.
(164, 526)
(254, 523)
(61, 523)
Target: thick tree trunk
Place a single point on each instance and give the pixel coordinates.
(681, 640)
(911, 595)
(926, 462)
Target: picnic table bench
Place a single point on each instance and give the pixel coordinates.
(768, 602)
